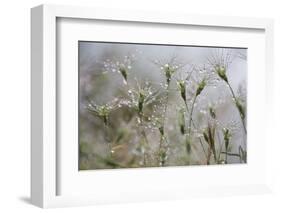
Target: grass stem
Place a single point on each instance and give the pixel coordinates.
(201, 143)
(236, 100)
(191, 113)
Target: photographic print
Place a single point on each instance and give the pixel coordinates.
(158, 105)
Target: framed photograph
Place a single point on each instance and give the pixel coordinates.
(129, 106)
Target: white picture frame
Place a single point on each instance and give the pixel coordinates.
(45, 167)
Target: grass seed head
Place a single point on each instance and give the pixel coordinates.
(212, 112)
(161, 130)
(181, 85)
(141, 101)
(188, 145)
(240, 108)
(181, 119)
(221, 71)
(169, 71)
(162, 157)
(226, 136)
(200, 87)
(123, 72)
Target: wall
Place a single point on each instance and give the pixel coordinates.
(15, 98)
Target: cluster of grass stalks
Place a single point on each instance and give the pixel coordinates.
(150, 124)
